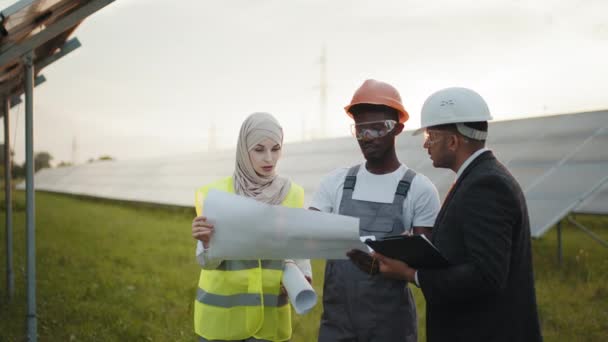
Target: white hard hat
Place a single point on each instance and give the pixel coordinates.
(455, 106)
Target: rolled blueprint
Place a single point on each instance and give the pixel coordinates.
(301, 295)
(246, 229)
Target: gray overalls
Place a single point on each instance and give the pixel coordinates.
(359, 307)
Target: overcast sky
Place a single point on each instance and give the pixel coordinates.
(153, 76)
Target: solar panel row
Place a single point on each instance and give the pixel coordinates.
(558, 160)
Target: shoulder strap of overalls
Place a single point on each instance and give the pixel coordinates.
(349, 182)
(401, 193)
(404, 184)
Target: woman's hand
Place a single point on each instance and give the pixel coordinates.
(202, 230)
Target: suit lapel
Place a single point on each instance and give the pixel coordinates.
(454, 188)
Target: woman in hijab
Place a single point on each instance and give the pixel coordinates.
(244, 300)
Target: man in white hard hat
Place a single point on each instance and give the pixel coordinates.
(389, 199)
(483, 229)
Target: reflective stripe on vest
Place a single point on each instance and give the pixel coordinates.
(242, 299)
(239, 265)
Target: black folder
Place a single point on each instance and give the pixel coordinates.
(415, 250)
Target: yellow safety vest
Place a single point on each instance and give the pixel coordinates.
(241, 298)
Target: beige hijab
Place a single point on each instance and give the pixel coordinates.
(272, 189)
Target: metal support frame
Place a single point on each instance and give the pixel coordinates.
(65, 49)
(16, 7)
(14, 51)
(16, 99)
(588, 231)
(572, 219)
(14, 87)
(10, 276)
(28, 62)
(24, 51)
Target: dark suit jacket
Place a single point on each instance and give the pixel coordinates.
(483, 229)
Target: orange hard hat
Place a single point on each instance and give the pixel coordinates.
(378, 93)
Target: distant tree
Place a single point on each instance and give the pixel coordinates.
(2, 162)
(2, 153)
(42, 160)
(64, 164)
(106, 157)
(18, 171)
(103, 157)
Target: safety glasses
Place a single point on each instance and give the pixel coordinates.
(431, 137)
(372, 129)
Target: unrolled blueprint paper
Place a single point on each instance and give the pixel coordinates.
(301, 295)
(248, 229)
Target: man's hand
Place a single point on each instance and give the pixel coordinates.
(396, 269)
(364, 261)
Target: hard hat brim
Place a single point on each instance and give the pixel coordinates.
(403, 114)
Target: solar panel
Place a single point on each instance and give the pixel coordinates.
(558, 160)
(596, 203)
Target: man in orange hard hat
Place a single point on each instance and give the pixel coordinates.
(389, 199)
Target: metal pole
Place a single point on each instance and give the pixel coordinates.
(10, 277)
(29, 194)
(560, 253)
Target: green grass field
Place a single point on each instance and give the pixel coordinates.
(111, 271)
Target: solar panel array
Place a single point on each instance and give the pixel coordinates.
(558, 160)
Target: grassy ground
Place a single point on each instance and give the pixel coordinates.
(114, 272)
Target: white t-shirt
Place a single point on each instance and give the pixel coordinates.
(420, 207)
